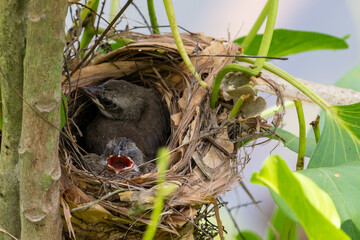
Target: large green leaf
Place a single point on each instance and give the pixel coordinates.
(286, 42)
(340, 139)
(342, 184)
(314, 209)
(351, 79)
(350, 229)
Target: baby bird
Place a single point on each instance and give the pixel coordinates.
(120, 154)
(131, 116)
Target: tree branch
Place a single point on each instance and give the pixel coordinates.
(12, 51)
(39, 162)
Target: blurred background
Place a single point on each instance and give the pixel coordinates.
(230, 19)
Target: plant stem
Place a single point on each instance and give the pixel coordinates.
(179, 43)
(152, 15)
(272, 110)
(87, 18)
(39, 162)
(162, 164)
(316, 129)
(302, 135)
(220, 76)
(269, 30)
(114, 8)
(296, 83)
(238, 105)
(255, 28)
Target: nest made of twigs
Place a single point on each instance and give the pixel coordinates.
(203, 163)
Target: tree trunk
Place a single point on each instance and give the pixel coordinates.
(12, 51)
(39, 163)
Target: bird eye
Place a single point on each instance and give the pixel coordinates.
(106, 102)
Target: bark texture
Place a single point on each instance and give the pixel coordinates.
(39, 163)
(12, 51)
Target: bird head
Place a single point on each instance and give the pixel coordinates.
(122, 153)
(117, 99)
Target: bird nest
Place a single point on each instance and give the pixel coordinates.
(203, 164)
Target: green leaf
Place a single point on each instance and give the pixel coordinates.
(342, 184)
(247, 235)
(350, 229)
(340, 139)
(283, 225)
(350, 79)
(286, 42)
(63, 110)
(313, 207)
(289, 230)
(277, 220)
(292, 142)
(121, 42)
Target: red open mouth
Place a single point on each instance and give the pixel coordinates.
(117, 163)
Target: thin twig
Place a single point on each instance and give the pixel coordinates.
(218, 146)
(6, 232)
(90, 52)
(244, 205)
(259, 208)
(232, 218)
(100, 17)
(142, 16)
(162, 26)
(86, 206)
(189, 220)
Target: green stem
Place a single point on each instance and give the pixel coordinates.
(114, 8)
(179, 43)
(272, 110)
(162, 164)
(88, 19)
(316, 129)
(269, 30)
(238, 105)
(255, 28)
(220, 76)
(88, 34)
(152, 15)
(293, 81)
(302, 135)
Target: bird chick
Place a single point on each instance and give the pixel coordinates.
(127, 111)
(120, 154)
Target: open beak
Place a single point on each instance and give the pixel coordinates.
(118, 163)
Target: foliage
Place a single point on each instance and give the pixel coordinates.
(305, 202)
(339, 143)
(287, 42)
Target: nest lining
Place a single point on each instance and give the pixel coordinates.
(203, 164)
